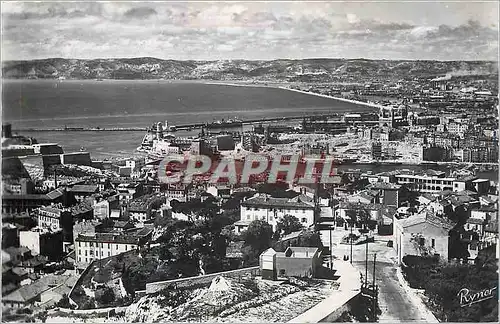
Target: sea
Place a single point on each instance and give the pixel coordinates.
(141, 103)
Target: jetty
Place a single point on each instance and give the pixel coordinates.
(180, 127)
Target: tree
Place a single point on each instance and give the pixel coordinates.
(288, 224)
(64, 302)
(258, 238)
(310, 238)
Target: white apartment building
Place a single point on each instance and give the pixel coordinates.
(425, 183)
(95, 246)
(50, 216)
(271, 210)
(459, 128)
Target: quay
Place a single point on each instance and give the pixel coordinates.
(177, 127)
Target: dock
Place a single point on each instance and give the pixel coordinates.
(177, 127)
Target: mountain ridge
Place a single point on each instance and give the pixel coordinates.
(311, 69)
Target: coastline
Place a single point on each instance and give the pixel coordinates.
(281, 86)
(362, 103)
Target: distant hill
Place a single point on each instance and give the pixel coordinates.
(319, 70)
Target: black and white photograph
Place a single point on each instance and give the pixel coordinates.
(249, 161)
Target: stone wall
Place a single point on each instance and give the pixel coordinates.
(198, 281)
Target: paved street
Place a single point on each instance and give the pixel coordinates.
(394, 301)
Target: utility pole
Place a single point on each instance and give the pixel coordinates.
(331, 255)
(350, 240)
(375, 289)
(366, 264)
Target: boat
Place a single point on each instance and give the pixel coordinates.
(225, 123)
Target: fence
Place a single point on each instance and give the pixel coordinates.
(204, 280)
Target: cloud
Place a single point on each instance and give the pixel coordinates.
(246, 30)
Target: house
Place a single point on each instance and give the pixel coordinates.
(129, 191)
(143, 208)
(270, 209)
(426, 199)
(488, 200)
(18, 254)
(294, 262)
(389, 193)
(34, 265)
(346, 209)
(476, 225)
(31, 295)
(81, 191)
(362, 198)
(421, 235)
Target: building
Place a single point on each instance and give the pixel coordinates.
(421, 235)
(377, 150)
(78, 158)
(225, 143)
(430, 181)
(393, 116)
(82, 191)
(271, 210)
(13, 203)
(57, 217)
(10, 235)
(43, 241)
(143, 208)
(389, 193)
(53, 216)
(90, 247)
(31, 295)
(294, 262)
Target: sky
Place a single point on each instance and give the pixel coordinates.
(461, 30)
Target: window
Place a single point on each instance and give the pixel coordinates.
(422, 241)
(85, 253)
(433, 243)
(79, 259)
(91, 244)
(109, 253)
(126, 247)
(109, 246)
(117, 246)
(79, 243)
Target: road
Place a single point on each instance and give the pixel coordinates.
(396, 304)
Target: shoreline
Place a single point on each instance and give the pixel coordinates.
(362, 103)
(280, 86)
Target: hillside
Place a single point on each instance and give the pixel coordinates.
(312, 70)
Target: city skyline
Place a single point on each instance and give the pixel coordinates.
(251, 30)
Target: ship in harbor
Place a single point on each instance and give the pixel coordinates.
(229, 123)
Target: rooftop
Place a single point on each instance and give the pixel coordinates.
(118, 238)
(263, 200)
(29, 292)
(384, 185)
(84, 188)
